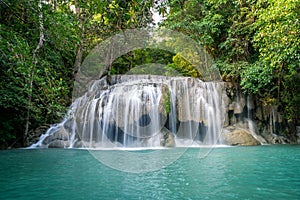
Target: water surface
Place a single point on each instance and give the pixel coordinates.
(263, 172)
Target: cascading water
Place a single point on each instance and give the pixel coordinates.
(142, 111)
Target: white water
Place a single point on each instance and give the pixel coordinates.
(136, 111)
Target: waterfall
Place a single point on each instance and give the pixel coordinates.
(251, 124)
(142, 111)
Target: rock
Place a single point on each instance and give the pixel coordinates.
(259, 113)
(33, 136)
(193, 107)
(298, 134)
(239, 105)
(226, 101)
(59, 134)
(167, 139)
(280, 118)
(142, 101)
(251, 104)
(239, 137)
(232, 119)
(280, 140)
(165, 103)
(58, 144)
(231, 106)
(242, 125)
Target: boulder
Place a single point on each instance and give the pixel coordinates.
(58, 134)
(239, 137)
(58, 144)
(34, 135)
(167, 138)
(280, 140)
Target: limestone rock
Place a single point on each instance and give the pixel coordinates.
(239, 105)
(233, 120)
(33, 136)
(231, 106)
(59, 134)
(239, 137)
(251, 104)
(298, 134)
(58, 144)
(167, 139)
(226, 102)
(280, 140)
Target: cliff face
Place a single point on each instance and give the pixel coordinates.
(264, 122)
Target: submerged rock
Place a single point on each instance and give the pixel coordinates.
(239, 137)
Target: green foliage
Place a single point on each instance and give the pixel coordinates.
(277, 41)
(138, 62)
(37, 73)
(167, 102)
(101, 19)
(183, 67)
(255, 79)
(35, 83)
(155, 62)
(15, 59)
(204, 21)
(15, 62)
(254, 43)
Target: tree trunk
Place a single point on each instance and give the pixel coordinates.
(34, 59)
(78, 59)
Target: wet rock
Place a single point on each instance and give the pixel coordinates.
(165, 101)
(78, 144)
(239, 137)
(232, 120)
(298, 134)
(167, 139)
(259, 113)
(59, 134)
(146, 106)
(239, 105)
(280, 140)
(231, 106)
(33, 136)
(226, 101)
(251, 104)
(58, 144)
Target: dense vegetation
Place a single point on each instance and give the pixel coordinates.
(43, 43)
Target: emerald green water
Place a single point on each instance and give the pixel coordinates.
(264, 172)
